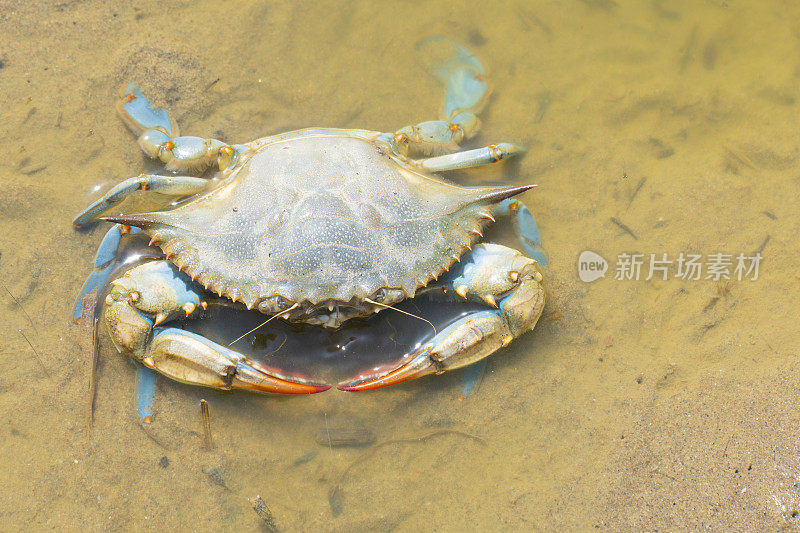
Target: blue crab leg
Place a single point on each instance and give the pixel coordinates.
(155, 292)
(145, 394)
(469, 158)
(459, 70)
(104, 261)
(508, 282)
(159, 137)
(466, 90)
(525, 227)
(140, 115)
(472, 375)
(172, 185)
(434, 136)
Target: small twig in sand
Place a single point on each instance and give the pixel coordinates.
(38, 358)
(24, 312)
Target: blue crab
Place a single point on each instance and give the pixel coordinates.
(317, 226)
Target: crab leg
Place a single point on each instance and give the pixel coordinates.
(434, 136)
(508, 282)
(171, 185)
(104, 261)
(159, 137)
(145, 394)
(469, 158)
(156, 292)
(525, 227)
(459, 70)
(465, 92)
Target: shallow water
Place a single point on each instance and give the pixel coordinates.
(652, 127)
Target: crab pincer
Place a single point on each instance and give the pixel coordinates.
(502, 278)
(190, 358)
(154, 293)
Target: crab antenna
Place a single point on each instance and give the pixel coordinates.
(262, 324)
(373, 302)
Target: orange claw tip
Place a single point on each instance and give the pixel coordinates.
(319, 388)
(373, 384)
(291, 387)
(280, 386)
(256, 379)
(365, 385)
(416, 368)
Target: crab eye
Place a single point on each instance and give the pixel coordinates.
(400, 143)
(281, 303)
(380, 295)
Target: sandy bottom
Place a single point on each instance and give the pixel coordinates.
(666, 127)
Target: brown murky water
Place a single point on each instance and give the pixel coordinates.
(647, 404)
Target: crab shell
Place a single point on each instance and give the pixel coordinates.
(319, 221)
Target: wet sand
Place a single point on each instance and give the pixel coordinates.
(634, 404)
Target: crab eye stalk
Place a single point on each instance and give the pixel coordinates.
(400, 143)
(225, 157)
(275, 304)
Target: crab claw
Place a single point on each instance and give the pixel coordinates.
(516, 304)
(192, 358)
(465, 341)
(469, 339)
(254, 378)
(420, 365)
